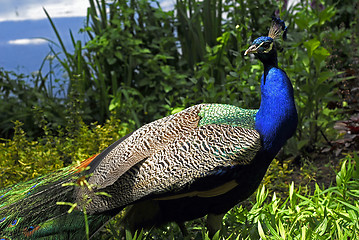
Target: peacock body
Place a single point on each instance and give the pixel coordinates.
(202, 160)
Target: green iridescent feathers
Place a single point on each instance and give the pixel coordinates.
(19, 191)
(30, 210)
(23, 207)
(228, 115)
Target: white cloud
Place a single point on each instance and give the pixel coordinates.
(17, 10)
(167, 5)
(27, 41)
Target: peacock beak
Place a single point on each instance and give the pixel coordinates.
(251, 49)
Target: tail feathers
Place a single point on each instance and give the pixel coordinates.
(66, 226)
(70, 226)
(31, 211)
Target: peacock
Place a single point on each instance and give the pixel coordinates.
(200, 161)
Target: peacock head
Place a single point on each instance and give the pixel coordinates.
(260, 46)
(263, 47)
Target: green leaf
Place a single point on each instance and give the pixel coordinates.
(216, 236)
(320, 54)
(260, 231)
(292, 197)
(168, 88)
(326, 14)
(111, 60)
(272, 230)
(322, 51)
(281, 229)
(261, 195)
(166, 70)
(311, 45)
(322, 227)
(304, 231)
(306, 62)
(176, 110)
(325, 75)
(303, 143)
(349, 205)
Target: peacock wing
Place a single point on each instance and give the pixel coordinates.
(153, 137)
(170, 172)
(141, 144)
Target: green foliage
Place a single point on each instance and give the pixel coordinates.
(141, 63)
(315, 82)
(277, 175)
(129, 64)
(22, 159)
(199, 25)
(28, 99)
(330, 213)
(325, 214)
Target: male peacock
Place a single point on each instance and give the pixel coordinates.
(202, 160)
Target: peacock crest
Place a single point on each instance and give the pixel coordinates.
(277, 28)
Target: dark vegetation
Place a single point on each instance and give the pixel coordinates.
(141, 63)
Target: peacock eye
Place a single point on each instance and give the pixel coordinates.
(267, 47)
(266, 44)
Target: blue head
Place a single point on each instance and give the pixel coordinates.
(264, 48)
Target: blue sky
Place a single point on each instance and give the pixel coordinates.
(23, 27)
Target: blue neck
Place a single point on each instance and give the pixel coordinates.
(277, 118)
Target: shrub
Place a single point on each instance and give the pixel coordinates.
(22, 159)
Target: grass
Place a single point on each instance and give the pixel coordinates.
(323, 213)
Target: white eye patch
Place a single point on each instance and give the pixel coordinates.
(270, 48)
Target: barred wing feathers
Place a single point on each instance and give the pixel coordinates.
(174, 155)
(142, 144)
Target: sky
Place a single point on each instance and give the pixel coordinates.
(24, 29)
(17, 10)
